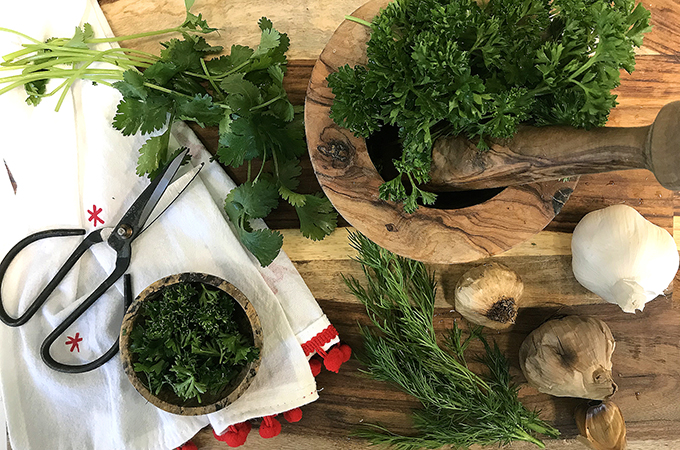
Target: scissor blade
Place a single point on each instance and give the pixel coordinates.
(137, 216)
(171, 194)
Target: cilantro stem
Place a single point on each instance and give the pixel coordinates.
(264, 160)
(166, 90)
(8, 30)
(358, 20)
(234, 70)
(140, 35)
(211, 81)
(268, 102)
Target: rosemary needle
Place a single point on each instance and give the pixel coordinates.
(459, 407)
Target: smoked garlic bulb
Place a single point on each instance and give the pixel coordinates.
(489, 295)
(602, 424)
(570, 357)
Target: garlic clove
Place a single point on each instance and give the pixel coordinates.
(489, 295)
(570, 357)
(622, 257)
(602, 424)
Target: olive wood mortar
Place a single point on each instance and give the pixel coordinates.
(544, 153)
(350, 180)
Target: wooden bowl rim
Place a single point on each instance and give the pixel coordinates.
(247, 374)
(350, 180)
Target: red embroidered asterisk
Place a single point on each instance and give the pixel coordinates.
(94, 215)
(73, 342)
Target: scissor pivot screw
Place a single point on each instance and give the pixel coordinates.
(124, 231)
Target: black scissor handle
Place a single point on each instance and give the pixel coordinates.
(110, 353)
(93, 238)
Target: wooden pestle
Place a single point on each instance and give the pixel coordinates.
(548, 153)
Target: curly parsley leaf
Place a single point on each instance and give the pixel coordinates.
(437, 67)
(187, 340)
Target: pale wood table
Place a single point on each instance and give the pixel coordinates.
(647, 356)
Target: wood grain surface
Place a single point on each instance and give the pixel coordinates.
(647, 357)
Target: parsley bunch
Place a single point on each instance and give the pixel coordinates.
(459, 407)
(241, 93)
(187, 339)
(453, 67)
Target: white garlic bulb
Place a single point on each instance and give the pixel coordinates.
(622, 257)
(489, 295)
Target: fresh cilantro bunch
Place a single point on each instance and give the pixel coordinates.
(241, 93)
(187, 339)
(453, 67)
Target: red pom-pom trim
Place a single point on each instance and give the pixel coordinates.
(322, 338)
(187, 446)
(235, 435)
(334, 359)
(315, 366)
(346, 352)
(294, 415)
(270, 427)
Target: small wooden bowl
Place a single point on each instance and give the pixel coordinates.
(350, 180)
(168, 400)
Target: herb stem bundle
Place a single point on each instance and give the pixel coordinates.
(459, 407)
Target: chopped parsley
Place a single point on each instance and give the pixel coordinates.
(187, 339)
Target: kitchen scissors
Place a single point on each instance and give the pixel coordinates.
(118, 238)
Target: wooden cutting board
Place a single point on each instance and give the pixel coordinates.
(647, 357)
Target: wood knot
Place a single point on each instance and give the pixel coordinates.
(337, 147)
(391, 227)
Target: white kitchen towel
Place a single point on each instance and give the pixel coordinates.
(71, 169)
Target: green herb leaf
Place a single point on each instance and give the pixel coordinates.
(132, 85)
(317, 217)
(460, 408)
(265, 244)
(199, 109)
(256, 200)
(437, 68)
(147, 116)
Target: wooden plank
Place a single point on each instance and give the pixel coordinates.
(646, 368)
(308, 24)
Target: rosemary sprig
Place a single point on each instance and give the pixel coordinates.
(460, 408)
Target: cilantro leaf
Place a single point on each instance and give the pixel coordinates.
(256, 200)
(240, 54)
(288, 174)
(199, 109)
(244, 95)
(161, 72)
(317, 217)
(35, 90)
(269, 40)
(242, 142)
(148, 115)
(154, 155)
(80, 36)
(265, 244)
(132, 85)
